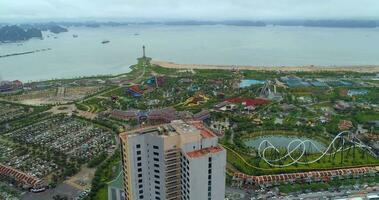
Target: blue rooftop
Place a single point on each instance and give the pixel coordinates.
(249, 82)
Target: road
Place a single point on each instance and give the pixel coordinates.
(238, 194)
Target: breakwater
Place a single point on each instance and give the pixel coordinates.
(26, 52)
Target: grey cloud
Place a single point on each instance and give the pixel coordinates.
(188, 9)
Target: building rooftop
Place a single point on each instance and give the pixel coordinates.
(264, 179)
(205, 133)
(204, 152)
(176, 127)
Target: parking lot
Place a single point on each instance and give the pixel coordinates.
(63, 190)
(11, 111)
(71, 136)
(26, 160)
(50, 145)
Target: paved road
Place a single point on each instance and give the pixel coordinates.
(62, 190)
(238, 194)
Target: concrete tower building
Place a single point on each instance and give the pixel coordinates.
(144, 60)
(143, 53)
(179, 160)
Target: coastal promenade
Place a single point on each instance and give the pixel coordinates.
(307, 68)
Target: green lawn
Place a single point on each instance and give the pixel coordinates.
(367, 116)
(102, 194)
(256, 166)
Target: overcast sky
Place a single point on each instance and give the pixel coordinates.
(11, 10)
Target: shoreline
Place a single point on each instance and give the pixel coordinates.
(306, 68)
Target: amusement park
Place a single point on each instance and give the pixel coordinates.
(284, 131)
(282, 157)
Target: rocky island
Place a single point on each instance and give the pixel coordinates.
(54, 28)
(15, 33)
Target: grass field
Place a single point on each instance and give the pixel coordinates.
(102, 194)
(256, 166)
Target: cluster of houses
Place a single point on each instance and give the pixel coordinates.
(25, 180)
(342, 105)
(353, 92)
(164, 115)
(10, 86)
(16, 85)
(249, 104)
(140, 89)
(345, 125)
(241, 179)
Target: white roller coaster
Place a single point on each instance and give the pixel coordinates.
(346, 139)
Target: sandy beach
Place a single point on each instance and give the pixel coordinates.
(309, 68)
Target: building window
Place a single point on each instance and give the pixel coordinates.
(138, 152)
(139, 169)
(156, 159)
(141, 191)
(156, 153)
(138, 146)
(155, 147)
(139, 164)
(210, 178)
(139, 158)
(156, 165)
(156, 176)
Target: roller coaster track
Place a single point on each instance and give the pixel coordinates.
(346, 138)
(244, 161)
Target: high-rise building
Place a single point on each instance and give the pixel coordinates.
(179, 160)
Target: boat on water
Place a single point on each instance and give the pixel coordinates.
(74, 36)
(136, 34)
(105, 41)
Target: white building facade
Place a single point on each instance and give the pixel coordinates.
(175, 161)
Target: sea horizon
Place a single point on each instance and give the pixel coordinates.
(71, 57)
